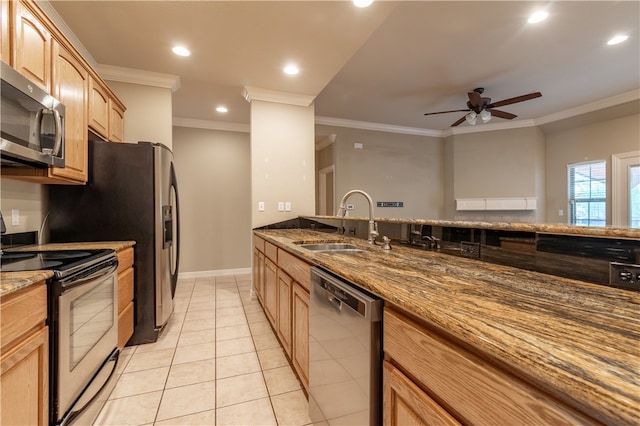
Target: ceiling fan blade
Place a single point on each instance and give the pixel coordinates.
(446, 112)
(459, 121)
(502, 114)
(475, 98)
(517, 99)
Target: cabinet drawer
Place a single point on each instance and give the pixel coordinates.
(476, 390)
(125, 288)
(297, 269)
(125, 259)
(258, 243)
(22, 311)
(271, 251)
(125, 325)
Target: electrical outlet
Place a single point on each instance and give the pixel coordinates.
(287, 206)
(15, 217)
(560, 212)
(260, 206)
(280, 206)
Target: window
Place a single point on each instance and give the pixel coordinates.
(588, 194)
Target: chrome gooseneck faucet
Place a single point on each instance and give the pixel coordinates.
(373, 226)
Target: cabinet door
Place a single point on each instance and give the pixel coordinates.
(116, 122)
(5, 42)
(258, 274)
(98, 108)
(24, 379)
(71, 87)
(270, 291)
(404, 403)
(32, 46)
(284, 311)
(300, 317)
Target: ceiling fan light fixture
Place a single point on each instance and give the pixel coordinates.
(485, 116)
(538, 16)
(471, 118)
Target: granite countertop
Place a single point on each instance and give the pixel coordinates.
(545, 228)
(576, 340)
(14, 281)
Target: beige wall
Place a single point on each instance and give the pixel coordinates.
(596, 141)
(29, 198)
(389, 167)
(149, 115)
(500, 164)
(282, 161)
(214, 184)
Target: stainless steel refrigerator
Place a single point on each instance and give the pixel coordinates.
(131, 194)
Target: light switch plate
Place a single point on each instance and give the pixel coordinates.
(15, 217)
(260, 206)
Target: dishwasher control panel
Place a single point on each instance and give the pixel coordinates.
(624, 275)
(343, 296)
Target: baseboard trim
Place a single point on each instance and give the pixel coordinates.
(214, 273)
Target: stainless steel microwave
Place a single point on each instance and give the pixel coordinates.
(31, 124)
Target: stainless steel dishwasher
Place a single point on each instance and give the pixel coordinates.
(345, 352)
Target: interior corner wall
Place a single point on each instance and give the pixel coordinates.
(389, 167)
(214, 190)
(449, 202)
(282, 161)
(30, 199)
(149, 113)
(502, 163)
(597, 141)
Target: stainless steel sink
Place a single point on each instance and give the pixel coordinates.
(331, 247)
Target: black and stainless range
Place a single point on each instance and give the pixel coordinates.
(83, 330)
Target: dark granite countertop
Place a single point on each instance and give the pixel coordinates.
(14, 281)
(576, 340)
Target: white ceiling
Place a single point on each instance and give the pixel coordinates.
(387, 64)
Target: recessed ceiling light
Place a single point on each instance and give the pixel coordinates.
(617, 39)
(181, 51)
(291, 69)
(538, 16)
(222, 108)
(362, 3)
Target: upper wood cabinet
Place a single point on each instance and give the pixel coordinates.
(71, 85)
(116, 121)
(33, 40)
(32, 45)
(98, 108)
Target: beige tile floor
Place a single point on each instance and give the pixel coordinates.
(217, 362)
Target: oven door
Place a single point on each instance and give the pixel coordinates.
(87, 336)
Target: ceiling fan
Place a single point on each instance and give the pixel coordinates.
(483, 107)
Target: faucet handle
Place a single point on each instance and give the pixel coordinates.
(386, 241)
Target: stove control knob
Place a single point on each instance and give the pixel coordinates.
(625, 275)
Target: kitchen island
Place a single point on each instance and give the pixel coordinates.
(575, 341)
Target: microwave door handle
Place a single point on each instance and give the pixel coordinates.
(100, 273)
(38, 129)
(59, 130)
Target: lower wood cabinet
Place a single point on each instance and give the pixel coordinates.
(125, 296)
(300, 329)
(270, 303)
(283, 319)
(468, 388)
(24, 363)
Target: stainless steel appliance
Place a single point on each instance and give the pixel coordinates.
(131, 194)
(32, 123)
(83, 328)
(345, 352)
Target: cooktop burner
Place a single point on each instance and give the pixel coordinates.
(60, 261)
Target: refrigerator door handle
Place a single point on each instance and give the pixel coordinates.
(176, 237)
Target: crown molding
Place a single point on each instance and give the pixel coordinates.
(210, 125)
(326, 141)
(258, 94)
(144, 78)
(619, 99)
(364, 125)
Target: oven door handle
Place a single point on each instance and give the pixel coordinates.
(102, 272)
